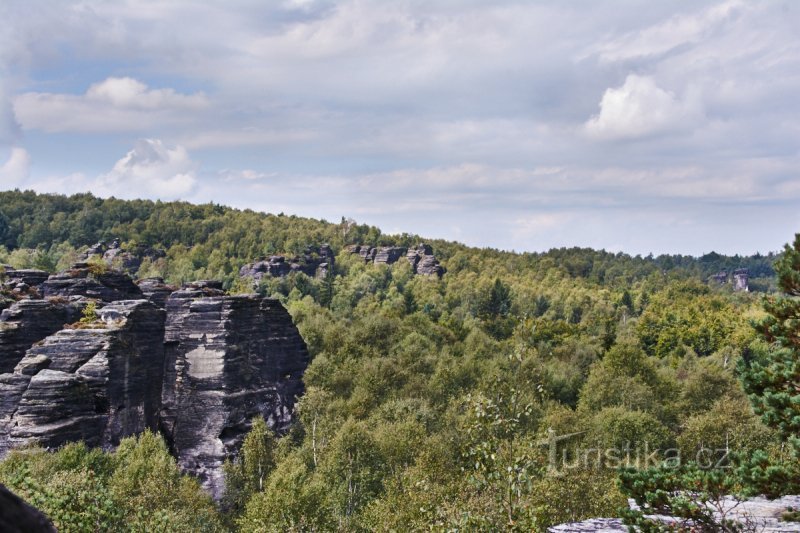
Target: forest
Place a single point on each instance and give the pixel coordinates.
(517, 391)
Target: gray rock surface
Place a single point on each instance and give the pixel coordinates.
(388, 255)
(424, 262)
(17, 516)
(115, 256)
(756, 514)
(98, 384)
(741, 278)
(315, 262)
(29, 321)
(155, 290)
(228, 359)
(84, 280)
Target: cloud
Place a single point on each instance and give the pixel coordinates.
(639, 108)
(16, 170)
(150, 169)
(113, 105)
(668, 35)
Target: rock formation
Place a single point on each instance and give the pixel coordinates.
(99, 383)
(155, 290)
(127, 260)
(315, 262)
(421, 258)
(29, 321)
(84, 279)
(16, 516)
(740, 279)
(228, 359)
(195, 363)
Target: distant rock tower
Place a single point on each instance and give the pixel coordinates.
(740, 278)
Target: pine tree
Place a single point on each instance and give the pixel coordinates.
(774, 383)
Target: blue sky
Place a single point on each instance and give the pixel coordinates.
(627, 125)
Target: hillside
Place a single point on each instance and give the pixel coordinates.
(431, 401)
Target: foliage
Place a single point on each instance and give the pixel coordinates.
(139, 488)
(427, 400)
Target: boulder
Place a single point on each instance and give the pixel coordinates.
(228, 359)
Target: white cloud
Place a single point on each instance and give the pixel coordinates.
(667, 35)
(115, 104)
(16, 170)
(131, 93)
(149, 170)
(639, 108)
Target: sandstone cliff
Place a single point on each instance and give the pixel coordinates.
(195, 363)
(229, 358)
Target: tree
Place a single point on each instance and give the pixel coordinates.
(5, 230)
(248, 474)
(774, 383)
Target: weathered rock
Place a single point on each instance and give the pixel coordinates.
(315, 262)
(741, 277)
(720, 277)
(126, 260)
(16, 516)
(97, 385)
(31, 277)
(84, 280)
(388, 255)
(29, 321)
(424, 262)
(228, 359)
(758, 514)
(155, 290)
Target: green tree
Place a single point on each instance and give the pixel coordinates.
(248, 474)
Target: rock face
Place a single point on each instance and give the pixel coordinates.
(759, 513)
(228, 358)
(29, 321)
(98, 384)
(740, 279)
(421, 258)
(127, 260)
(388, 255)
(16, 516)
(155, 290)
(315, 262)
(84, 280)
(194, 363)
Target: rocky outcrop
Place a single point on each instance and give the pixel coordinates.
(315, 262)
(741, 277)
(759, 514)
(28, 322)
(388, 255)
(424, 262)
(85, 279)
(155, 290)
(98, 384)
(16, 516)
(127, 260)
(228, 359)
(421, 258)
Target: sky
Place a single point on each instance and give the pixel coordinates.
(634, 126)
